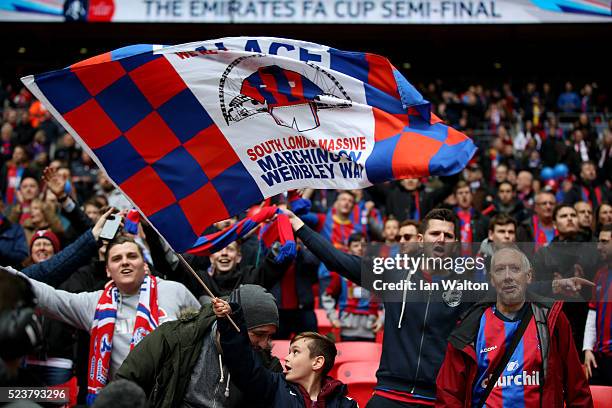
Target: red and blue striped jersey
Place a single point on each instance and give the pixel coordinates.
(602, 304)
(352, 298)
(279, 87)
(518, 386)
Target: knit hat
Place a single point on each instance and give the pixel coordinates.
(47, 234)
(259, 306)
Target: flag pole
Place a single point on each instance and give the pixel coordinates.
(190, 269)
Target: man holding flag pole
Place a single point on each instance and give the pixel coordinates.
(196, 133)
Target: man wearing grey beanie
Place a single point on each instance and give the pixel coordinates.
(180, 364)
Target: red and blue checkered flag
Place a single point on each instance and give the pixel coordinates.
(196, 133)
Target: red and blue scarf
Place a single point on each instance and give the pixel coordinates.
(278, 230)
(103, 328)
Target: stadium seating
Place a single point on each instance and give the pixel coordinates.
(360, 377)
(324, 325)
(357, 351)
(602, 396)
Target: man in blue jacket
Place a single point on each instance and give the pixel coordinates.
(415, 331)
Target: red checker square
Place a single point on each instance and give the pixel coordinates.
(388, 125)
(97, 77)
(98, 59)
(380, 75)
(148, 191)
(158, 81)
(203, 207)
(152, 138)
(92, 124)
(212, 151)
(454, 137)
(412, 155)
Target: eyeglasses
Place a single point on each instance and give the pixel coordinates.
(406, 237)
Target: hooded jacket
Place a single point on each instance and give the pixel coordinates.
(261, 385)
(415, 331)
(563, 378)
(163, 363)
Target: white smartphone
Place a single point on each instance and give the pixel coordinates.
(110, 228)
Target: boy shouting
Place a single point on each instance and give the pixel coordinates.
(304, 381)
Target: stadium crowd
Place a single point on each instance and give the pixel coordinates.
(542, 175)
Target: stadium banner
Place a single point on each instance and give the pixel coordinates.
(196, 133)
(311, 11)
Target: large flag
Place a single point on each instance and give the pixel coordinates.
(198, 132)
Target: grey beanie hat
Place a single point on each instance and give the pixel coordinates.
(259, 306)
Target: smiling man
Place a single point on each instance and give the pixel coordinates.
(517, 351)
(110, 315)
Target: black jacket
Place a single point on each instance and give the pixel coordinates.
(516, 210)
(402, 203)
(262, 385)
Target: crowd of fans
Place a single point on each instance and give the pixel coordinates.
(543, 175)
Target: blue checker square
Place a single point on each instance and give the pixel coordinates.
(124, 103)
(450, 160)
(379, 166)
(181, 172)
(120, 159)
(130, 63)
(237, 188)
(185, 115)
(353, 64)
(63, 89)
(438, 131)
(173, 225)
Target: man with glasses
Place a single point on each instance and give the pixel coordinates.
(539, 227)
(408, 231)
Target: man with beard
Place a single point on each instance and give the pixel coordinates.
(515, 351)
(418, 328)
(506, 203)
(588, 189)
(181, 364)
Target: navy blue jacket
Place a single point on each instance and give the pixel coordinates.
(261, 384)
(55, 270)
(416, 332)
(13, 245)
